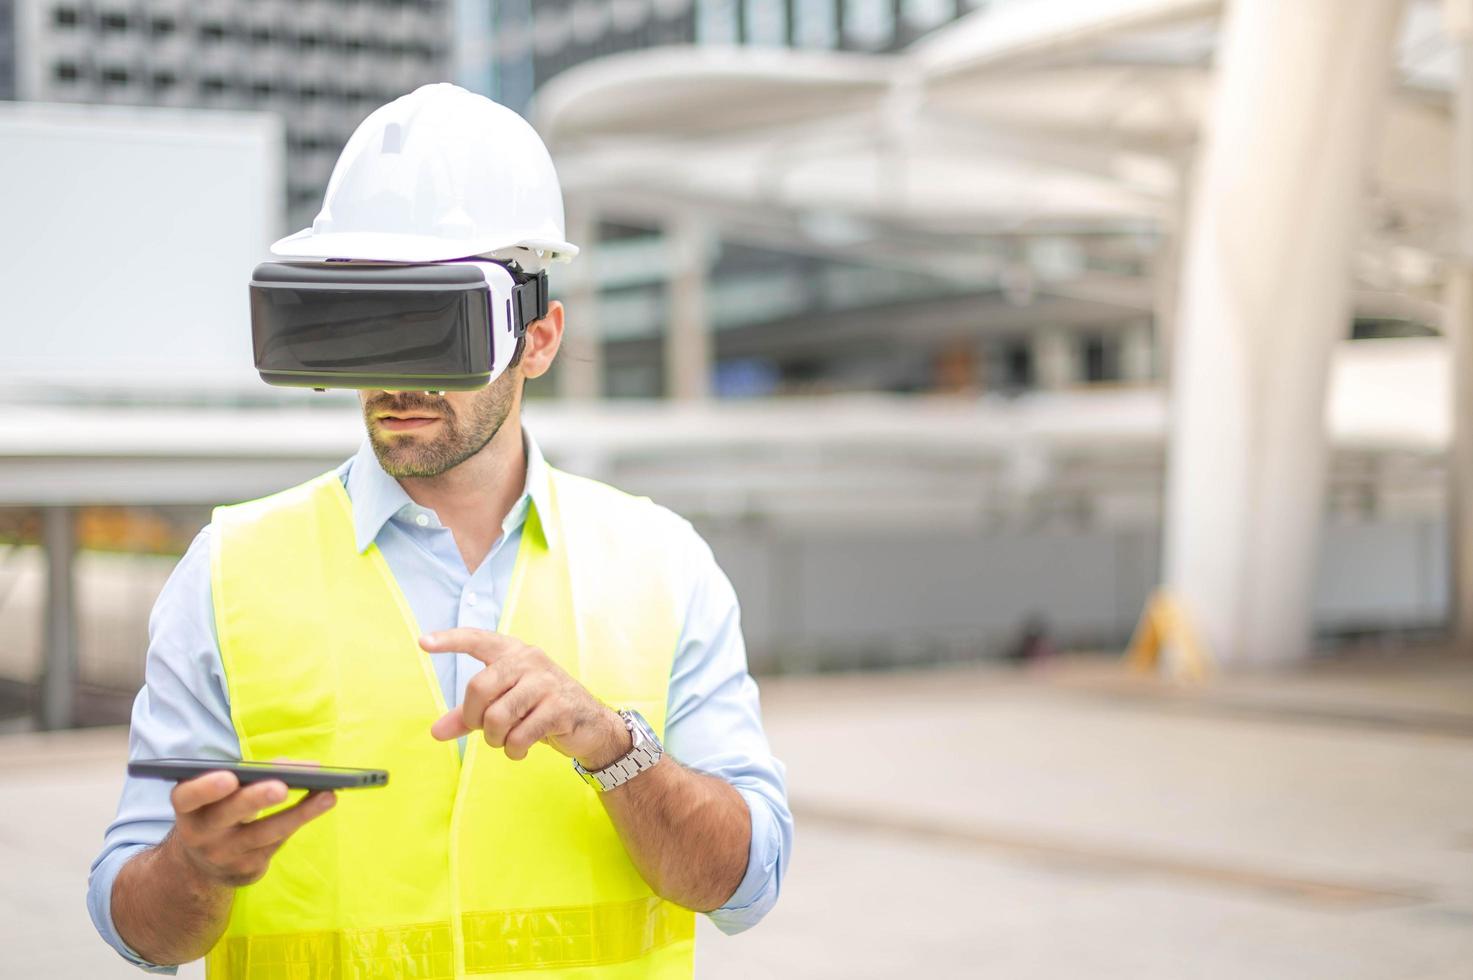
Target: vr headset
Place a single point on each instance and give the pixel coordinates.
(448, 326)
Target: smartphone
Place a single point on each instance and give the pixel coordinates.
(296, 775)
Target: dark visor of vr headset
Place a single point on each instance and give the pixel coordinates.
(450, 326)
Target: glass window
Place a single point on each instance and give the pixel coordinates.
(716, 22)
(1100, 357)
(815, 24)
(746, 378)
(637, 380)
(922, 15)
(1012, 367)
(767, 22)
(869, 24)
(552, 28)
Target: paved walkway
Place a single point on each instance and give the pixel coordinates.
(981, 823)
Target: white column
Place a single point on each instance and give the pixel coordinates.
(1137, 353)
(1458, 325)
(688, 357)
(1166, 270)
(580, 362)
(1054, 362)
(1265, 295)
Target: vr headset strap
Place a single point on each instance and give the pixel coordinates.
(529, 298)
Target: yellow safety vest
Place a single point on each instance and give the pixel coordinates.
(458, 868)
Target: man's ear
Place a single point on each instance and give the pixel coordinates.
(541, 343)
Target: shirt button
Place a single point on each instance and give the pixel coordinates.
(472, 598)
(423, 520)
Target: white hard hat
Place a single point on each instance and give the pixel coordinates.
(439, 174)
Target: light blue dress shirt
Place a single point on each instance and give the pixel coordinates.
(713, 723)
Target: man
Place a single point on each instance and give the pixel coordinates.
(448, 607)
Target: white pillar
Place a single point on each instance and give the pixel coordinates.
(1166, 270)
(1053, 359)
(688, 357)
(1265, 296)
(580, 361)
(1138, 353)
(1458, 325)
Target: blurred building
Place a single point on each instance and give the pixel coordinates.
(7, 49)
(320, 64)
(508, 48)
(770, 205)
(1020, 188)
(801, 320)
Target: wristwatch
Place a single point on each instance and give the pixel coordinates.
(643, 755)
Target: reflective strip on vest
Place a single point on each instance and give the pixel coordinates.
(495, 942)
(480, 866)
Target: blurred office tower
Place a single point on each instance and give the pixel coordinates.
(321, 64)
(508, 48)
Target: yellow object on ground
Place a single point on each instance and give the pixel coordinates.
(1165, 628)
(458, 868)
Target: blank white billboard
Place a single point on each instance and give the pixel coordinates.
(127, 239)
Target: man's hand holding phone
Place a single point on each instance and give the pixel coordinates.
(217, 835)
(171, 902)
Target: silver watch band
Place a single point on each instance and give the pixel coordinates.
(644, 753)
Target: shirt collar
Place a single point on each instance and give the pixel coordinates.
(377, 497)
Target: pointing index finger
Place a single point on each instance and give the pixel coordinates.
(484, 645)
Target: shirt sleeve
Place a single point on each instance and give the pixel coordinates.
(181, 710)
(714, 725)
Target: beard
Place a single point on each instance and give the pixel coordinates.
(460, 437)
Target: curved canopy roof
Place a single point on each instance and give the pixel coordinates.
(1049, 116)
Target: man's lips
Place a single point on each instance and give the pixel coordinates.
(406, 423)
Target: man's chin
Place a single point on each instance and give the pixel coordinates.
(403, 459)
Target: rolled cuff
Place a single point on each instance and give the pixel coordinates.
(100, 901)
(757, 893)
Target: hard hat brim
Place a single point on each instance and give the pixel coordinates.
(393, 247)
